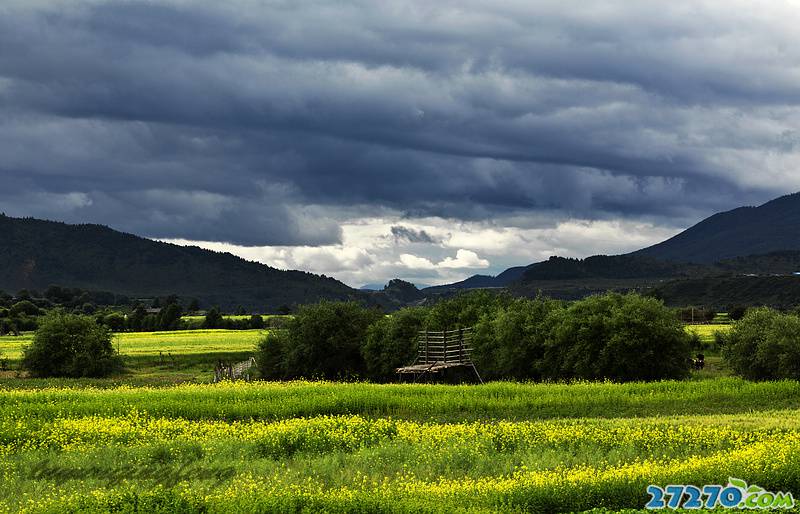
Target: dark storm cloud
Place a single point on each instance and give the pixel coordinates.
(258, 123)
(411, 235)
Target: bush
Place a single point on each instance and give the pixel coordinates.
(170, 317)
(213, 319)
(509, 343)
(736, 312)
(764, 345)
(391, 342)
(256, 321)
(617, 337)
(720, 340)
(322, 341)
(272, 355)
(70, 345)
(464, 310)
(25, 307)
(115, 321)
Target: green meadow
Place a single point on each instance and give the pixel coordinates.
(356, 447)
(161, 438)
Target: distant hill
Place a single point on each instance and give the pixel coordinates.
(741, 232)
(35, 254)
(781, 292)
(761, 240)
(607, 266)
(504, 279)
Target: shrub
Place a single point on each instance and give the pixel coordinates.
(391, 342)
(720, 340)
(617, 337)
(70, 345)
(764, 345)
(323, 340)
(256, 321)
(736, 312)
(695, 343)
(25, 307)
(464, 310)
(170, 317)
(272, 354)
(115, 321)
(213, 319)
(509, 343)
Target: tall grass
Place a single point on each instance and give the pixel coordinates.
(353, 464)
(499, 400)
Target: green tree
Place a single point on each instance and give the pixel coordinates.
(764, 345)
(170, 317)
(70, 345)
(464, 310)
(391, 342)
(256, 321)
(114, 321)
(25, 307)
(136, 319)
(510, 341)
(736, 312)
(213, 319)
(323, 340)
(616, 337)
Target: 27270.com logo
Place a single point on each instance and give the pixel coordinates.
(735, 495)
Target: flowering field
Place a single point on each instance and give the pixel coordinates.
(364, 448)
(150, 344)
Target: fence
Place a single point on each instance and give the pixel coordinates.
(238, 371)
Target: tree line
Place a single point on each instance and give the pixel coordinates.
(22, 312)
(611, 336)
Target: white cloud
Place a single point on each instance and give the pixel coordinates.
(414, 262)
(369, 253)
(464, 259)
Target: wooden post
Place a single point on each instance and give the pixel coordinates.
(426, 347)
(461, 345)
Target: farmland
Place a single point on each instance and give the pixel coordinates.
(360, 447)
(162, 357)
(706, 332)
(144, 344)
(160, 438)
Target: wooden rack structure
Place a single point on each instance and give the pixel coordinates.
(238, 371)
(441, 350)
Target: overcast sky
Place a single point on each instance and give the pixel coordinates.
(426, 140)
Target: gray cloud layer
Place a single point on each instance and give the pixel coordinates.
(264, 123)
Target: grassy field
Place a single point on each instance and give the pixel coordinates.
(145, 442)
(196, 322)
(315, 446)
(159, 357)
(143, 344)
(706, 332)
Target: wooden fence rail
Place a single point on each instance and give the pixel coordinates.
(440, 350)
(237, 371)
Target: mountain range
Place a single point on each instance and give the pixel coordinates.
(746, 240)
(708, 262)
(35, 254)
